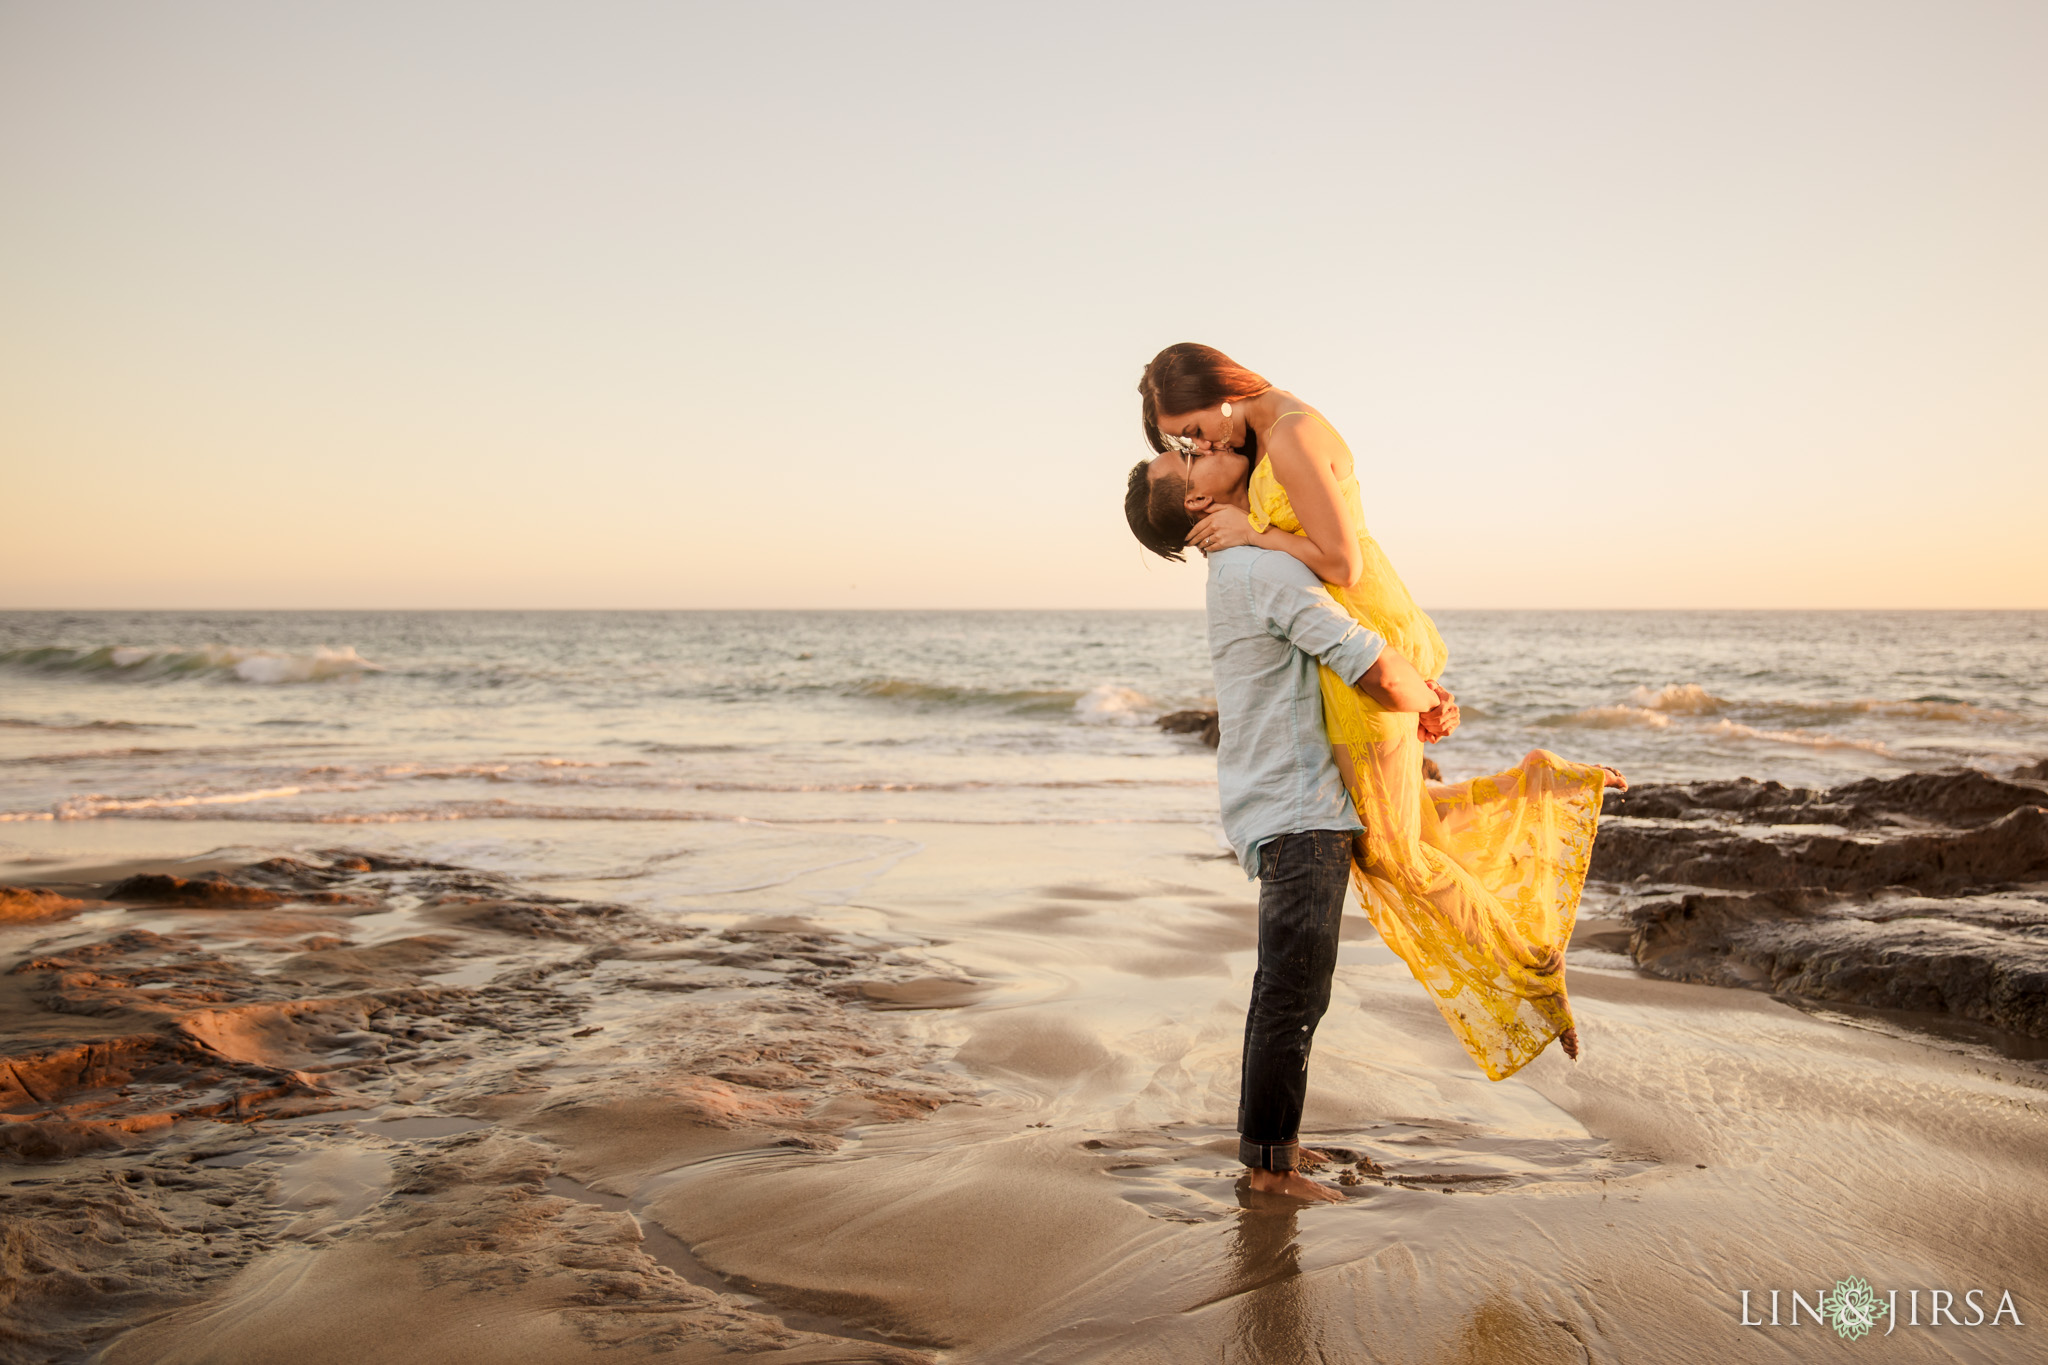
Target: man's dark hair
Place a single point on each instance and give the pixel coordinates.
(1157, 512)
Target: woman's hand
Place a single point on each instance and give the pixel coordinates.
(1221, 529)
(1438, 723)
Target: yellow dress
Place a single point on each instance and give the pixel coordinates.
(1475, 885)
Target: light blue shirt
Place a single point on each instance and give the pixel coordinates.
(1271, 621)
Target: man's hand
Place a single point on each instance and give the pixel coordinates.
(1438, 722)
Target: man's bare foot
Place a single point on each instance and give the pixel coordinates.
(1569, 1040)
(1614, 777)
(1291, 1185)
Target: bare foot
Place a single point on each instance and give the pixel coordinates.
(1614, 777)
(1569, 1040)
(1292, 1185)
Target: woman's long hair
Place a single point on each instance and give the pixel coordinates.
(1185, 377)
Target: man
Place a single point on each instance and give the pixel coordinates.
(1285, 809)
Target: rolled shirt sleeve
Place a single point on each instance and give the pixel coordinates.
(1299, 609)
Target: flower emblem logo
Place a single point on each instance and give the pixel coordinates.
(1852, 1309)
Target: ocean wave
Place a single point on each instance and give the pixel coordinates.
(837, 788)
(556, 770)
(93, 806)
(1729, 729)
(1654, 709)
(1914, 708)
(88, 756)
(89, 727)
(512, 810)
(641, 777)
(655, 746)
(1690, 699)
(262, 666)
(1638, 717)
(939, 694)
(1682, 699)
(1610, 718)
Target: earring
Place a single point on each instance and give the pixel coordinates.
(1226, 409)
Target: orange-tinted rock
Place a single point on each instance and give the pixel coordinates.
(151, 888)
(26, 905)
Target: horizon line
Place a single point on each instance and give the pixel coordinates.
(958, 611)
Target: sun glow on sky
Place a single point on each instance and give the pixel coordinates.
(804, 305)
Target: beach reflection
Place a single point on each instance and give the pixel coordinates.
(1272, 1320)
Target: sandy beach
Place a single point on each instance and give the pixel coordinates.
(334, 1105)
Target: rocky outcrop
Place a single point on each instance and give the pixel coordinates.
(28, 905)
(274, 881)
(1927, 892)
(159, 888)
(1201, 723)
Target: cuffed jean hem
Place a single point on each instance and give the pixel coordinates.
(1269, 1156)
(1301, 908)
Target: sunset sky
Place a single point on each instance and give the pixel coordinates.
(684, 305)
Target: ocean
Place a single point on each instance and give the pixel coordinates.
(428, 719)
(674, 755)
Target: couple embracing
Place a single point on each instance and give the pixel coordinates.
(1326, 689)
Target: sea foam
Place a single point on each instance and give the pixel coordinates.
(1108, 704)
(1683, 699)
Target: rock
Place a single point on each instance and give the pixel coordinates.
(2037, 771)
(1939, 957)
(27, 905)
(156, 888)
(1960, 799)
(1927, 892)
(1201, 723)
(575, 922)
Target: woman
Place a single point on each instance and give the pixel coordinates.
(1475, 885)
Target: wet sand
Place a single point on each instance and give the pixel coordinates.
(970, 1104)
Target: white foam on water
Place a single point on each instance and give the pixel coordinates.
(91, 807)
(1109, 704)
(1686, 699)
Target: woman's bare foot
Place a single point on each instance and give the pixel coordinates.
(1614, 777)
(1569, 1040)
(1291, 1185)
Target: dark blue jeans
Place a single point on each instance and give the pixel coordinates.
(1302, 878)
